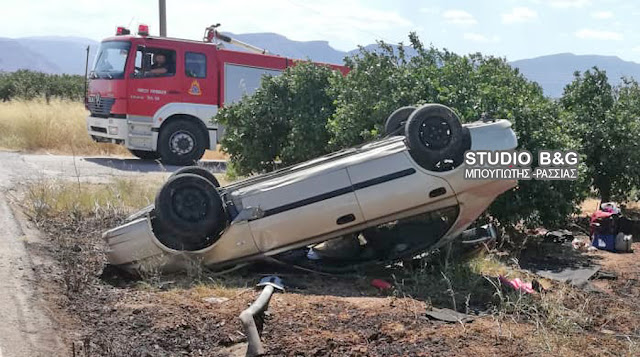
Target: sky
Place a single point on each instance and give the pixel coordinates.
(514, 29)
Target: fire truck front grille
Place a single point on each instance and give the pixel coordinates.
(101, 108)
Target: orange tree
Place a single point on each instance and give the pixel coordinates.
(606, 121)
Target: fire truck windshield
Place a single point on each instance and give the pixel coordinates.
(110, 60)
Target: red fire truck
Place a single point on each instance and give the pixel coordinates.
(158, 96)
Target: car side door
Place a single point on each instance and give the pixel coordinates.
(301, 207)
(391, 184)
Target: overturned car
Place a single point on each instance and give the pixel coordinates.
(415, 171)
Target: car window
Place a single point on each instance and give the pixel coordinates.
(195, 65)
(154, 62)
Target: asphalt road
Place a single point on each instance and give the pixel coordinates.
(25, 327)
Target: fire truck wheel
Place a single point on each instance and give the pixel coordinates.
(181, 142)
(145, 155)
(435, 137)
(190, 209)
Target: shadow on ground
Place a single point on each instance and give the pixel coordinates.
(455, 286)
(147, 166)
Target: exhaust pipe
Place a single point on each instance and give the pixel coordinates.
(248, 316)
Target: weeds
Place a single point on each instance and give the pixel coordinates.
(74, 216)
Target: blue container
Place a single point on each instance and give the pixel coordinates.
(604, 242)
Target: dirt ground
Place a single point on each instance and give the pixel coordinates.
(107, 313)
(93, 310)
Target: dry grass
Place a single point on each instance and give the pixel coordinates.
(120, 197)
(57, 128)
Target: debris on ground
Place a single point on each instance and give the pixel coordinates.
(581, 244)
(606, 275)
(559, 236)
(215, 299)
(610, 230)
(574, 276)
(561, 262)
(381, 284)
(448, 315)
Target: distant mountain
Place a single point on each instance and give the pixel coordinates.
(318, 51)
(46, 54)
(67, 55)
(554, 72)
(15, 56)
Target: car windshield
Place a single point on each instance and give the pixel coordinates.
(111, 59)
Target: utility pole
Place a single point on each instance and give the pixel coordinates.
(162, 6)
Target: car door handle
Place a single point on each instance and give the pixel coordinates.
(346, 219)
(437, 192)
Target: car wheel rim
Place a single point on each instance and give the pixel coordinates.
(190, 204)
(182, 143)
(435, 133)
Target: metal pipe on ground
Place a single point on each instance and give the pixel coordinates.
(248, 316)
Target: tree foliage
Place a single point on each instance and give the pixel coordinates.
(606, 122)
(285, 120)
(26, 85)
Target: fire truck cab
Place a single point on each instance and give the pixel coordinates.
(158, 96)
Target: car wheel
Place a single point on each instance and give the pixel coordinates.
(197, 170)
(145, 155)
(435, 137)
(396, 121)
(189, 210)
(181, 142)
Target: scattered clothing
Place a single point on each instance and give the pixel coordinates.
(517, 284)
(381, 284)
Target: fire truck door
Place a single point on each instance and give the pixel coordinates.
(153, 84)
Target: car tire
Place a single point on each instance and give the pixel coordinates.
(200, 171)
(181, 142)
(145, 155)
(189, 212)
(396, 121)
(436, 138)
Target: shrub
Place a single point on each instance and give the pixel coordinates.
(283, 121)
